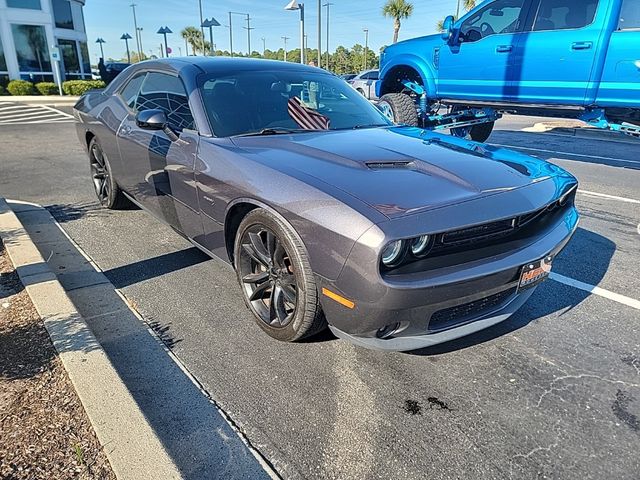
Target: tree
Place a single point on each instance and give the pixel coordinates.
(398, 10)
(466, 4)
(193, 36)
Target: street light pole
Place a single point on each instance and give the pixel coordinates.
(319, 32)
(202, 27)
(264, 46)
(211, 23)
(294, 5)
(285, 47)
(141, 46)
(138, 35)
(163, 31)
(101, 41)
(126, 37)
(230, 35)
(248, 27)
(366, 46)
(328, 4)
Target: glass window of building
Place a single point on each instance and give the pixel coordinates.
(3, 60)
(31, 48)
(62, 14)
(70, 60)
(32, 4)
(86, 62)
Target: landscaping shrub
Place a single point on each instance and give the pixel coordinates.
(21, 87)
(47, 88)
(80, 87)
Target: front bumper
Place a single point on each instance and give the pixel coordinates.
(424, 308)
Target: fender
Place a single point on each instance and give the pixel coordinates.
(426, 71)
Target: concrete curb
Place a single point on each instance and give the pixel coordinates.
(131, 445)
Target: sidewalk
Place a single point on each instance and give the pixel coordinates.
(148, 412)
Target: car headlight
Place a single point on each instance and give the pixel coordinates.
(420, 245)
(393, 253)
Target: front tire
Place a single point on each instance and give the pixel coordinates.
(105, 186)
(277, 282)
(399, 108)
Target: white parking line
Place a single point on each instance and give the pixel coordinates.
(579, 155)
(57, 111)
(616, 297)
(610, 197)
(30, 114)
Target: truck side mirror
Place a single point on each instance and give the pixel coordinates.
(447, 28)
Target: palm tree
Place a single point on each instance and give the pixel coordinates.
(466, 4)
(193, 36)
(398, 10)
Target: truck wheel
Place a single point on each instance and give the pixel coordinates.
(477, 133)
(399, 108)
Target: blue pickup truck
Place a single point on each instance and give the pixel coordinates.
(564, 58)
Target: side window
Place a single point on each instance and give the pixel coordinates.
(564, 14)
(167, 93)
(130, 92)
(630, 15)
(374, 75)
(501, 16)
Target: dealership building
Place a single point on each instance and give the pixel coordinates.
(29, 29)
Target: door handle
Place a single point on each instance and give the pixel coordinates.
(581, 45)
(504, 48)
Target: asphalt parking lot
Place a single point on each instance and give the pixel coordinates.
(553, 392)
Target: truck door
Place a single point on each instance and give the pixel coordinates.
(555, 57)
(620, 82)
(475, 64)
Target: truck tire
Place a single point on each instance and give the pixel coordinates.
(477, 133)
(399, 108)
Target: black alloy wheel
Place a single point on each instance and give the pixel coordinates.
(268, 276)
(276, 279)
(106, 188)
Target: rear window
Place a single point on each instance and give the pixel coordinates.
(630, 15)
(564, 14)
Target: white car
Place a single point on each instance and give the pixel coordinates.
(365, 83)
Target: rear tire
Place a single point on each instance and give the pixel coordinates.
(105, 186)
(399, 108)
(277, 282)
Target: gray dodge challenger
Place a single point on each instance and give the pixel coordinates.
(394, 237)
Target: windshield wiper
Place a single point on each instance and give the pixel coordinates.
(366, 125)
(275, 131)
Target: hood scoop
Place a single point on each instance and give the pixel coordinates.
(390, 165)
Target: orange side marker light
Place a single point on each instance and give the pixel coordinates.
(338, 298)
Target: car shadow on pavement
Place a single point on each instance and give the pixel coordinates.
(153, 267)
(576, 261)
(555, 147)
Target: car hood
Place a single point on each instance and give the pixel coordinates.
(399, 170)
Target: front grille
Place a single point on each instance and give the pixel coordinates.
(452, 316)
(486, 233)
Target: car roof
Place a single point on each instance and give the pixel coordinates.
(218, 64)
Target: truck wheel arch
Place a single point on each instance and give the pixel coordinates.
(407, 67)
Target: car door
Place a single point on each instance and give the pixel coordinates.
(620, 81)
(159, 172)
(555, 58)
(475, 64)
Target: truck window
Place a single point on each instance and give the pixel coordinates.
(501, 16)
(564, 14)
(630, 15)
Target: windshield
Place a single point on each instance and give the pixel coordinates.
(270, 102)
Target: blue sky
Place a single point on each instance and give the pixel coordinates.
(109, 19)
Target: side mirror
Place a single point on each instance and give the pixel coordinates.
(447, 27)
(151, 119)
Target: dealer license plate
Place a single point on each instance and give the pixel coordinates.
(535, 273)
